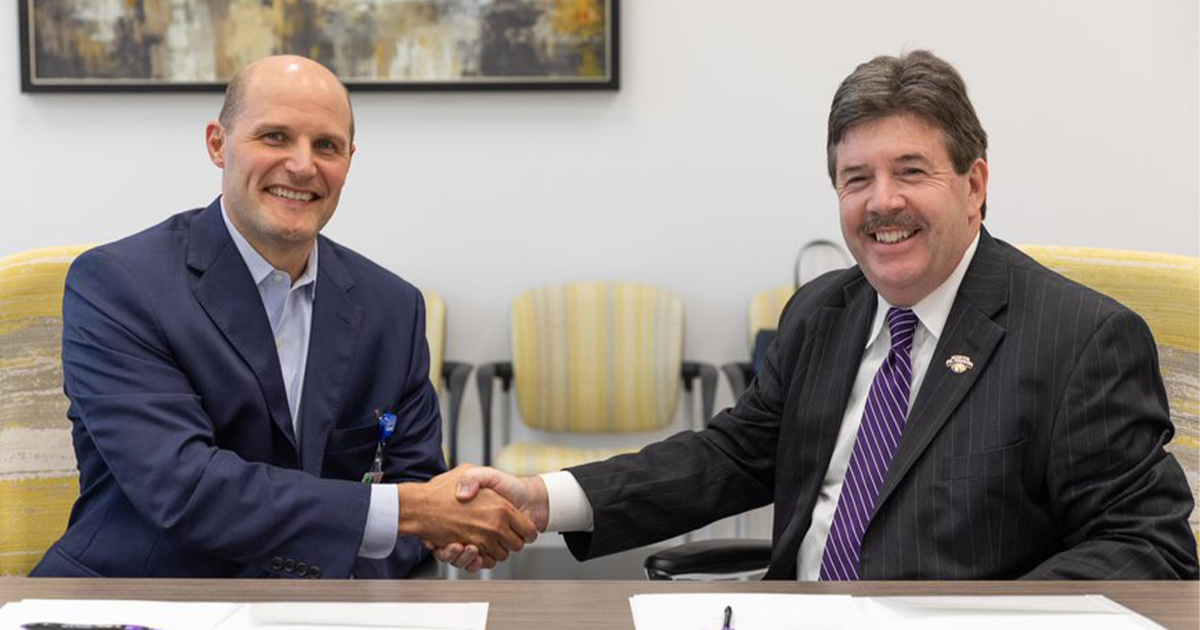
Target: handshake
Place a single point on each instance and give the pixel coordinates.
(473, 517)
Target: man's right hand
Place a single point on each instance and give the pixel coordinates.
(489, 523)
(527, 494)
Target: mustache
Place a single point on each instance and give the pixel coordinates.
(900, 221)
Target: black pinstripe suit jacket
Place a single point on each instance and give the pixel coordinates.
(1045, 460)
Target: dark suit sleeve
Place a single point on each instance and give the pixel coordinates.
(690, 479)
(150, 427)
(1122, 500)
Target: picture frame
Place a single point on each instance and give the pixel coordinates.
(372, 45)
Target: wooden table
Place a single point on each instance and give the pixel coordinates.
(584, 605)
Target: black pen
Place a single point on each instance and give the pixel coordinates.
(728, 618)
(47, 625)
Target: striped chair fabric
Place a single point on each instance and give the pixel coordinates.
(435, 333)
(1165, 290)
(597, 357)
(766, 307)
(525, 458)
(38, 476)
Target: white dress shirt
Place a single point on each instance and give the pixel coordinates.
(289, 307)
(570, 509)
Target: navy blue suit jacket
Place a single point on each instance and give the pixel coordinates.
(188, 462)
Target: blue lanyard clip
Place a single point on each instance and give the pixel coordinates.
(387, 426)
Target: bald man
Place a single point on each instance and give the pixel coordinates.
(236, 379)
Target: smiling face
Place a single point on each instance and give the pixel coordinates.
(285, 157)
(906, 215)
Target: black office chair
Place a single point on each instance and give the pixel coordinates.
(709, 560)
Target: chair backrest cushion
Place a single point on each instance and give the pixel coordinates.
(1165, 290)
(435, 333)
(597, 357)
(38, 476)
(766, 307)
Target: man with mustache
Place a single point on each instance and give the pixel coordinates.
(947, 409)
(235, 377)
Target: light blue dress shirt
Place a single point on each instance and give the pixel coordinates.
(289, 307)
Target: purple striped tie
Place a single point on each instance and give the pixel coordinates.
(878, 435)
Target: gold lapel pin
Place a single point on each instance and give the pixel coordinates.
(959, 363)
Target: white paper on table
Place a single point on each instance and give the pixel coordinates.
(1000, 612)
(751, 611)
(356, 616)
(158, 615)
(257, 616)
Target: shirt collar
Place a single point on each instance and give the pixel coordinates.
(934, 309)
(259, 268)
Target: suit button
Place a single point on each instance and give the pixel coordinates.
(276, 563)
(314, 571)
(301, 569)
(289, 565)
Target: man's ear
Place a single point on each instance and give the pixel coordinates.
(977, 180)
(214, 141)
(350, 158)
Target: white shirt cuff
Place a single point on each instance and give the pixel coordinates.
(379, 539)
(570, 510)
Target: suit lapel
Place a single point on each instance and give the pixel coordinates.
(826, 381)
(226, 292)
(970, 331)
(331, 348)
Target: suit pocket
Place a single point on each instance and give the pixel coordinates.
(350, 452)
(353, 439)
(1003, 460)
(59, 563)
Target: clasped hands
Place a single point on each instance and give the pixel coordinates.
(473, 517)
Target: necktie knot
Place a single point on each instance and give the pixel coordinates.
(902, 323)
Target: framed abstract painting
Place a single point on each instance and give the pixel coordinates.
(196, 45)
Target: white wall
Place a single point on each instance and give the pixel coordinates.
(703, 174)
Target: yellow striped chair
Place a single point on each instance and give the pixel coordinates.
(435, 334)
(765, 309)
(767, 306)
(38, 477)
(1165, 290)
(451, 375)
(595, 357)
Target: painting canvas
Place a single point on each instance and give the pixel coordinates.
(86, 45)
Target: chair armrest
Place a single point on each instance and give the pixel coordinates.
(739, 374)
(484, 376)
(708, 385)
(720, 558)
(455, 374)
